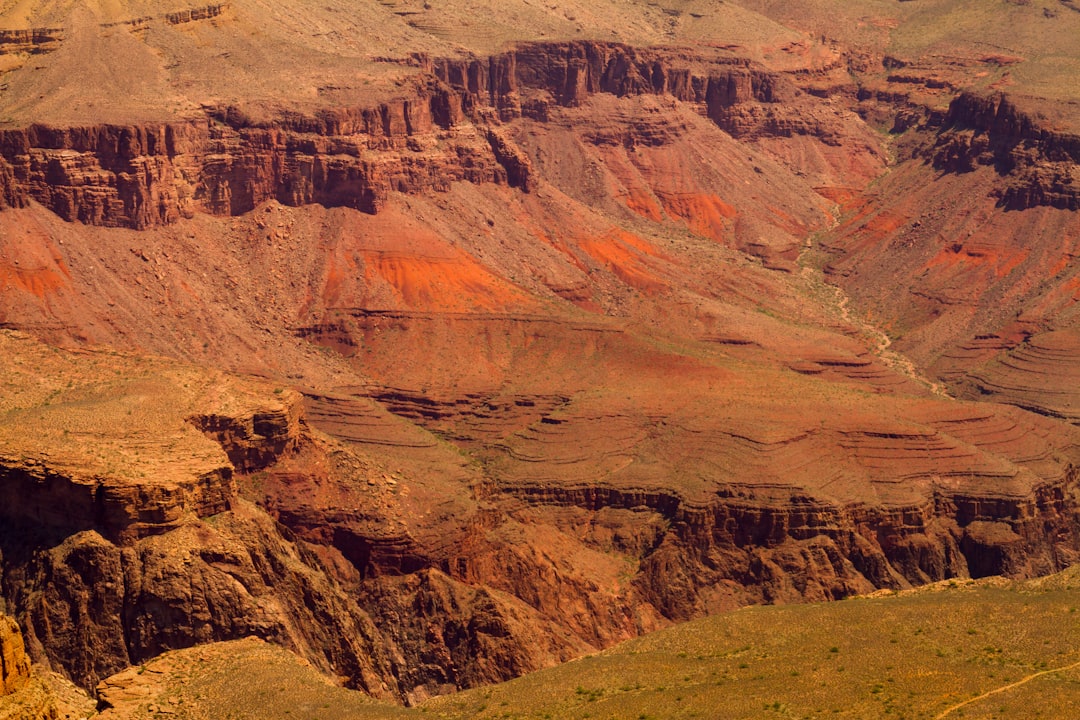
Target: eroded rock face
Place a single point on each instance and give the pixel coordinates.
(195, 584)
(14, 664)
(983, 250)
(1039, 164)
(117, 562)
(33, 40)
(38, 496)
(142, 176)
(438, 576)
(97, 595)
(23, 695)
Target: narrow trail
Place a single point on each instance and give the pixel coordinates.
(1004, 688)
(880, 343)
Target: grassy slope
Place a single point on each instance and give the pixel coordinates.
(912, 655)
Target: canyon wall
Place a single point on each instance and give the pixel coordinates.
(225, 163)
(485, 578)
(147, 175)
(1039, 166)
(32, 40)
(304, 541)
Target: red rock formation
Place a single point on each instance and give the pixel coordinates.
(1040, 374)
(106, 580)
(36, 495)
(983, 248)
(23, 695)
(195, 14)
(149, 175)
(514, 480)
(1038, 164)
(152, 175)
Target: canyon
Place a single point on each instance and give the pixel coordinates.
(462, 355)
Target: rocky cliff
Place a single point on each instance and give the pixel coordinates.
(1039, 166)
(123, 545)
(32, 41)
(440, 132)
(444, 573)
(23, 695)
(119, 564)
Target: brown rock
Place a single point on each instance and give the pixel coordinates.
(1037, 163)
(14, 665)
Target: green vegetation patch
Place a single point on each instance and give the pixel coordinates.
(909, 655)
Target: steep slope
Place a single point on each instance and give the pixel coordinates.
(23, 696)
(120, 543)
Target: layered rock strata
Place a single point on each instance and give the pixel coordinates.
(411, 583)
(33, 41)
(224, 163)
(1042, 166)
(512, 524)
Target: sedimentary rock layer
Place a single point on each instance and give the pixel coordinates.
(147, 175)
(1039, 166)
(564, 380)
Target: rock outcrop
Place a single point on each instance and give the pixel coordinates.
(33, 41)
(97, 595)
(1039, 374)
(233, 578)
(23, 694)
(40, 497)
(1039, 166)
(14, 665)
(140, 549)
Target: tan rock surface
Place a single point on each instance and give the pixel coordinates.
(28, 693)
(14, 665)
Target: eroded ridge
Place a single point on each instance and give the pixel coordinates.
(440, 132)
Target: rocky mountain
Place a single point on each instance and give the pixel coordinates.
(439, 354)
